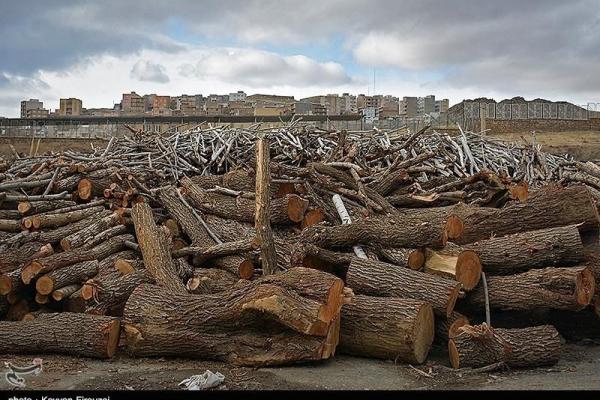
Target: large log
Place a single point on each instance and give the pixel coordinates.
(40, 221)
(63, 333)
(557, 288)
(154, 244)
(233, 326)
(526, 250)
(408, 258)
(286, 210)
(10, 282)
(71, 274)
(210, 280)
(38, 207)
(58, 260)
(422, 228)
(548, 207)
(15, 258)
(480, 346)
(377, 278)
(447, 328)
(262, 219)
(10, 225)
(387, 327)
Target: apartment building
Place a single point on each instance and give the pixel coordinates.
(348, 104)
(240, 95)
(70, 106)
(408, 107)
(31, 106)
(133, 103)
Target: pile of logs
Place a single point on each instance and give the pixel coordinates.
(268, 247)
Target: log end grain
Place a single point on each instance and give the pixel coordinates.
(452, 299)
(246, 269)
(468, 269)
(5, 284)
(585, 287)
(30, 271)
(416, 259)
(454, 227)
(84, 189)
(423, 333)
(44, 285)
(313, 217)
(297, 207)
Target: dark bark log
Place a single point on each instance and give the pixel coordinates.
(64, 292)
(535, 249)
(448, 328)
(480, 346)
(391, 182)
(39, 207)
(10, 225)
(287, 210)
(71, 274)
(203, 254)
(60, 219)
(557, 288)
(105, 235)
(262, 220)
(377, 278)
(408, 258)
(184, 217)
(431, 228)
(15, 258)
(155, 248)
(16, 312)
(63, 333)
(11, 282)
(548, 207)
(386, 327)
(10, 214)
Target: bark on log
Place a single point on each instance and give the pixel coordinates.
(210, 281)
(63, 333)
(154, 245)
(535, 249)
(61, 219)
(203, 254)
(464, 267)
(262, 219)
(548, 207)
(38, 207)
(557, 288)
(386, 327)
(448, 328)
(79, 238)
(15, 258)
(64, 292)
(71, 274)
(408, 258)
(10, 225)
(377, 278)
(286, 210)
(48, 264)
(11, 282)
(425, 228)
(480, 346)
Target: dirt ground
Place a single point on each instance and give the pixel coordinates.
(577, 369)
(581, 145)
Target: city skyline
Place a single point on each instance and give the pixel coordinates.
(460, 50)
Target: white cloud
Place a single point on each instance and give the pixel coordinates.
(149, 71)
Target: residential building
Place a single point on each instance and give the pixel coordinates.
(442, 106)
(266, 100)
(240, 95)
(274, 110)
(348, 104)
(186, 105)
(426, 105)
(70, 106)
(37, 113)
(363, 101)
(240, 108)
(133, 103)
(408, 107)
(99, 112)
(303, 107)
(161, 102)
(31, 104)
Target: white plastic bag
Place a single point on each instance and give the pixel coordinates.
(205, 381)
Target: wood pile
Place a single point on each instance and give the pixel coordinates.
(274, 246)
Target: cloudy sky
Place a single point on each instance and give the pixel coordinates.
(96, 50)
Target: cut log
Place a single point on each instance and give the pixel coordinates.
(411, 229)
(556, 288)
(15, 258)
(10, 282)
(58, 260)
(464, 268)
(10, 225)
(203, 254)
(15, 312)
(63, 333)
(210, 281)
(548, 207)
(38, 207)
(64, 292)
(40, 221)
(408, 258)
(447, 328)
(480, 346)
(154, 244)
(377, 278)
(71, 274)
(387, 327)
(285, 210)
(535, 249)
(262, 220)
(79, 238)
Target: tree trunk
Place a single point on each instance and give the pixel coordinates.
(63, 333)
(203, 254)
(154, 245)
(71, 274)
(64, 292)
(38, 207)
(262, 224)
(535, 249)
(548, 207)
(78, 239)
(210, 281)
(480, 346)
(557, 288)
(234, 326)
(59, 260)
(377, 278)
(61, 219)
(386, 327)
(408, 258)
(464, 267)
(286, 210)
(411, 229)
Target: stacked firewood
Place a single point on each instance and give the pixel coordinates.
(275, 250)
